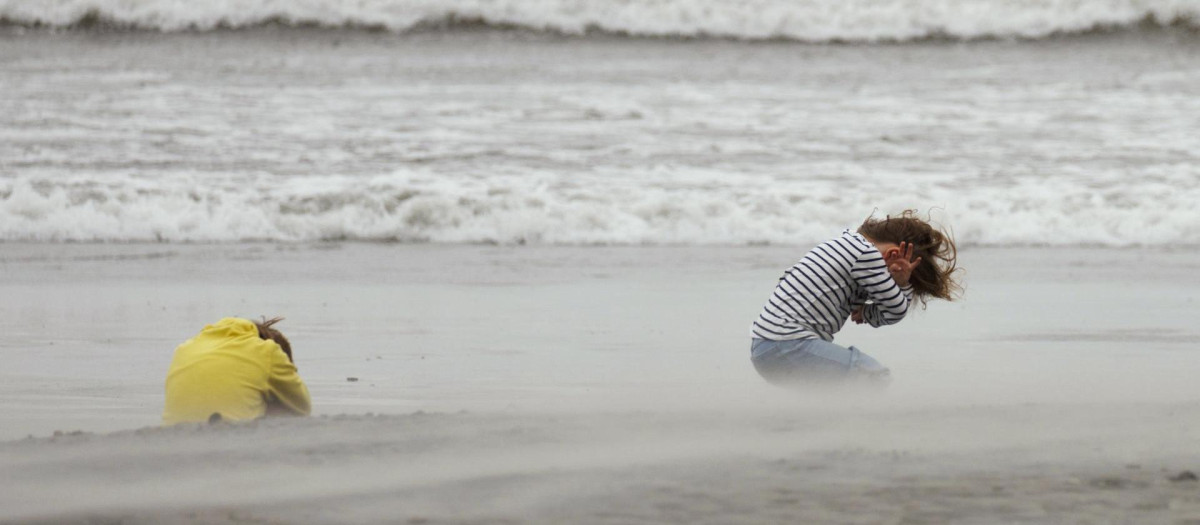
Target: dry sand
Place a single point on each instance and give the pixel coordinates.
(596, 385)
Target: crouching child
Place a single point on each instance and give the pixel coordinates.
(234, 370)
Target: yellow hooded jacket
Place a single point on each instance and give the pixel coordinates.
(227, 369)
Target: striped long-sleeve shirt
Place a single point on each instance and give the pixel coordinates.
(815, 297)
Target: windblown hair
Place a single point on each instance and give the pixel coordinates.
(934, 276)
(266, 332)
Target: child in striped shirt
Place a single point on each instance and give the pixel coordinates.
(870, 276)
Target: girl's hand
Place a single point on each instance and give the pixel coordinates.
(900, 263)
(856, 315)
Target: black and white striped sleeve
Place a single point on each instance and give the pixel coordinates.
(889, 302)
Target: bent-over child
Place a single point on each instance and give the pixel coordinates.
(871, 276)
(234, 370)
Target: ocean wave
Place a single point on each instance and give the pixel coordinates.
(418, 207)
(799, 20)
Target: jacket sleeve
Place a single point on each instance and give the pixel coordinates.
(285, 386)
(889, 302)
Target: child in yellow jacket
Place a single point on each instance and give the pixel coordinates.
(234, 370)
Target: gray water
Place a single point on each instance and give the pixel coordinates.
(515, 137)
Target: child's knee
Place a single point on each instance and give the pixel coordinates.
(867, 364)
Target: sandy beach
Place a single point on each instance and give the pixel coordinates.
(595, 385)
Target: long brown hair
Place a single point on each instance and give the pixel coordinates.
(934, 276)
(266, 332)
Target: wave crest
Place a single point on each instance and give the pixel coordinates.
(417, 207)
(804, 20)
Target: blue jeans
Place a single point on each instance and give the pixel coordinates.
(811, 361)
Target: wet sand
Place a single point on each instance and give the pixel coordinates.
(595, 385)
(984, 464)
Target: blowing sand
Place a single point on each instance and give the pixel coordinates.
(595, 385)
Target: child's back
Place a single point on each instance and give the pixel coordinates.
(815, 296)
(230, 370)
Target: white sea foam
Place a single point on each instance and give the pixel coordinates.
(485, 138)
(804, 20)
(414, 206)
